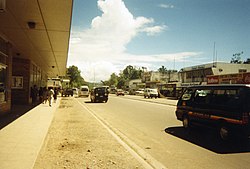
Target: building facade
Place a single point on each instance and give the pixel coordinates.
(34, 42)
(196, 75)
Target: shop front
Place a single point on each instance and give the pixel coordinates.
(5, 75)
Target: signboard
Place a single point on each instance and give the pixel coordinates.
(238, 78)
(213, 80)
(246, 78)
(17, 82)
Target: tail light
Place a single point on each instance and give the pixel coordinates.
(245, 118)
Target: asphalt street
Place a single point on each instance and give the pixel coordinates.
(150, 127)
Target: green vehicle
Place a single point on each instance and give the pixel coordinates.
(222, 107)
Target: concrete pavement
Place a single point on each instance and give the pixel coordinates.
(21, 140)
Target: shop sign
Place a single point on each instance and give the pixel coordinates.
(246, 78)
(213, 80)
(17, 82)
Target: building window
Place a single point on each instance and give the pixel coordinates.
(242, 70)
(3, 72)
(2, 83)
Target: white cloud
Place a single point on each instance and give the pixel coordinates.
(166, 6)
(101, 50)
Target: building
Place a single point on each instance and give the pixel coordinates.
(236, 78)
(196, 75)
(34, 42)
(153, 79)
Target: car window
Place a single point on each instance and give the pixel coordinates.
(100, 89)
(187, 94)
(247, 99)
(202, 96)
(228, 98)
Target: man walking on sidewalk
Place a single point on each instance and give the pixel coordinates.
(50, 96)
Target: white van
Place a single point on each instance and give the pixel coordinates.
(150, 93)
(83, 91)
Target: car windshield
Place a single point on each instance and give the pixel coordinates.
(101, 89)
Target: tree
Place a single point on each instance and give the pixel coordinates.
(247, 61)
(113, 79)
(163, 70)
(131, 72)
(76, 80)
(236, 58)
(121, 82)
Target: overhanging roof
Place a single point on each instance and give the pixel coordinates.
(47, 44)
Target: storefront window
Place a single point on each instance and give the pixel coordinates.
(3, 66)
(2, 83)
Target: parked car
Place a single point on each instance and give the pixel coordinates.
(139, 92)
(223, 107)
(150, 93)
(120, 92)
(99, 94)
(67, 92)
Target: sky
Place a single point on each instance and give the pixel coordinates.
(108, 35)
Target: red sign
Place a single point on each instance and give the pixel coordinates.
(246, 78)
(213, 80)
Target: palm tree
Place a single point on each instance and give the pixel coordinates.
(163, 70)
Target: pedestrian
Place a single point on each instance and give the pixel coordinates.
(50, 95)
(45, 95)
(55, 95)
(40, 94)
(34, 93)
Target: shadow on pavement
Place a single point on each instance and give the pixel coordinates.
(16, 112)
(207, 139)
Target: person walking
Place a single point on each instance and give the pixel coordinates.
(45, 95)
(50, 95)
(34, 93)
(55, 95)
(40, 95)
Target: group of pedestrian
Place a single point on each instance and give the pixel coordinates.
(44, 95)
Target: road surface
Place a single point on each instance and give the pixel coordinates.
(151, 129)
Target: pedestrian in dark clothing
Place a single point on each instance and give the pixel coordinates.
(34, 93)
(40, 94)
(45, 95)
(55, 95)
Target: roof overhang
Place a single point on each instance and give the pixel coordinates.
(39, 30)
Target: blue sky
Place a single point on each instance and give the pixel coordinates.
(108, 35)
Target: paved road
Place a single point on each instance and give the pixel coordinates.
(153, 131)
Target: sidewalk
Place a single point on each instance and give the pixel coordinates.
(21, 140)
